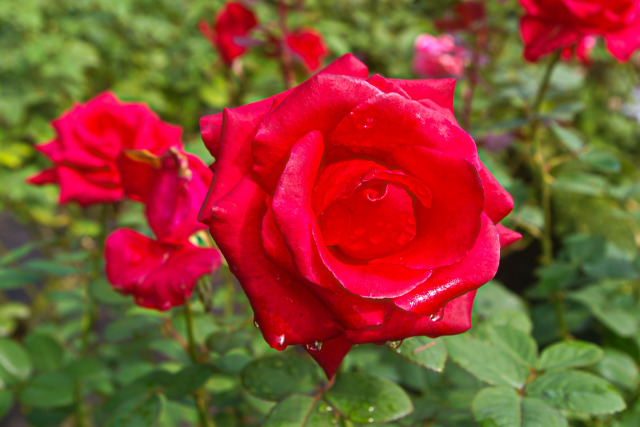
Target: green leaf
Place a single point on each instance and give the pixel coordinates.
(601, 160)
(18, 253)
(619, 368)
(570, 354)
(577, 392)
(497, 305)
(580, 183)
(223, 341)
(486, 362)
(92, 374)
(568, 137)
(426, 352)
(6, 402)
(299, 410)
(50, 267)
(48, 390)
(188, 380)
(275, 377)
(536, 413)
(15, 364)
(11, 278)
(141, 410)
(501, 405)
(45, 352)
(514, 341)
(368, 399)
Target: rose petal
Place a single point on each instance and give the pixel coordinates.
(298, 317)
(541, 37)
(331, 353)
(447, 283)
(507, 237)
(439, 91)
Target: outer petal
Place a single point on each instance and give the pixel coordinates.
(542, 37)
(623, 43)
(498, 202)
(456, 320)
(318, 104)
(447, 283)
(507, 237)
(86, 186)
(331, 353)
(285, 310)
(439, 91)
(47, 176)
(158, 275)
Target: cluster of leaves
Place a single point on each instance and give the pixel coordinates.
(553, 345)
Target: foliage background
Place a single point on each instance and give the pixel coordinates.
(549, 344)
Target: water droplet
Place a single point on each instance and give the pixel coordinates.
(255, 323)
(398, 351)
(329, 408)
(370, 420)
(279, 342)
(316, 346)
(438, 315)
(395, 344)
(371, 409)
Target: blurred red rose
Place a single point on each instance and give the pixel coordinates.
(172, 187)
(233, 22)
(159, 275)
(558, 24)
(89, 140)
(308, 47)
(354, 209)
(438, 56)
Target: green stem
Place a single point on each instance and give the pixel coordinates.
(199, 396)
(539, 162)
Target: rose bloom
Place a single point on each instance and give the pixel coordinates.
(89, 140)
(354, 209)
(232, 22)
(308, 47)
(438, 56)
(549, 25)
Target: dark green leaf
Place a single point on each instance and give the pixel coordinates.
(368, 399)
(91, 374)
(601, 160)
(224, 341)
(18, 253)
(11, 278)
(486, 362)
(50, 267)
(275, 377)
(571, 354)
(299, 411)
(427, 352)
(46, 353)
(141, 410)
(577, 392)
(48, 390)
(6, 402)
(500, 405)
(15, 364)
(188, 380)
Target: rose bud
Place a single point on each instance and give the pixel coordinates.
(307, 46)
(89, 139)
(159, 275)
(438, 56)
(232, 23)
(354, 209)
(549, 25)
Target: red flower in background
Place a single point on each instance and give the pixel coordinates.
(438, 56)
(550, 25)
(233, 22)
(308, 47)
(354, 209)
(159, 275)
(89, 140)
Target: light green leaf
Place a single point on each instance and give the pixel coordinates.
(15, 364)
(619, 368)
(514, 341)
(571, 354)
(501, 405)
(536, 413)
(427, 352)
(577, 392)
(368, 399)
(486, 362)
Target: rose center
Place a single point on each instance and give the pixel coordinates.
(374, 221)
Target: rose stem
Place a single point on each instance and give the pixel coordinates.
(285, 59)
(232, 93)
(199, 395)
(545, 190)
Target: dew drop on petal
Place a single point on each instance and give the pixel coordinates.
(395, 344)
(438, 315)
(316, 346)
(255, 323)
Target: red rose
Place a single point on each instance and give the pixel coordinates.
(232, 22)
(354, 209)
(562, 24)
(89, 140)
(307, 46)
(159, 275)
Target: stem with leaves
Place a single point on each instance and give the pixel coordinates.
(199, 395)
